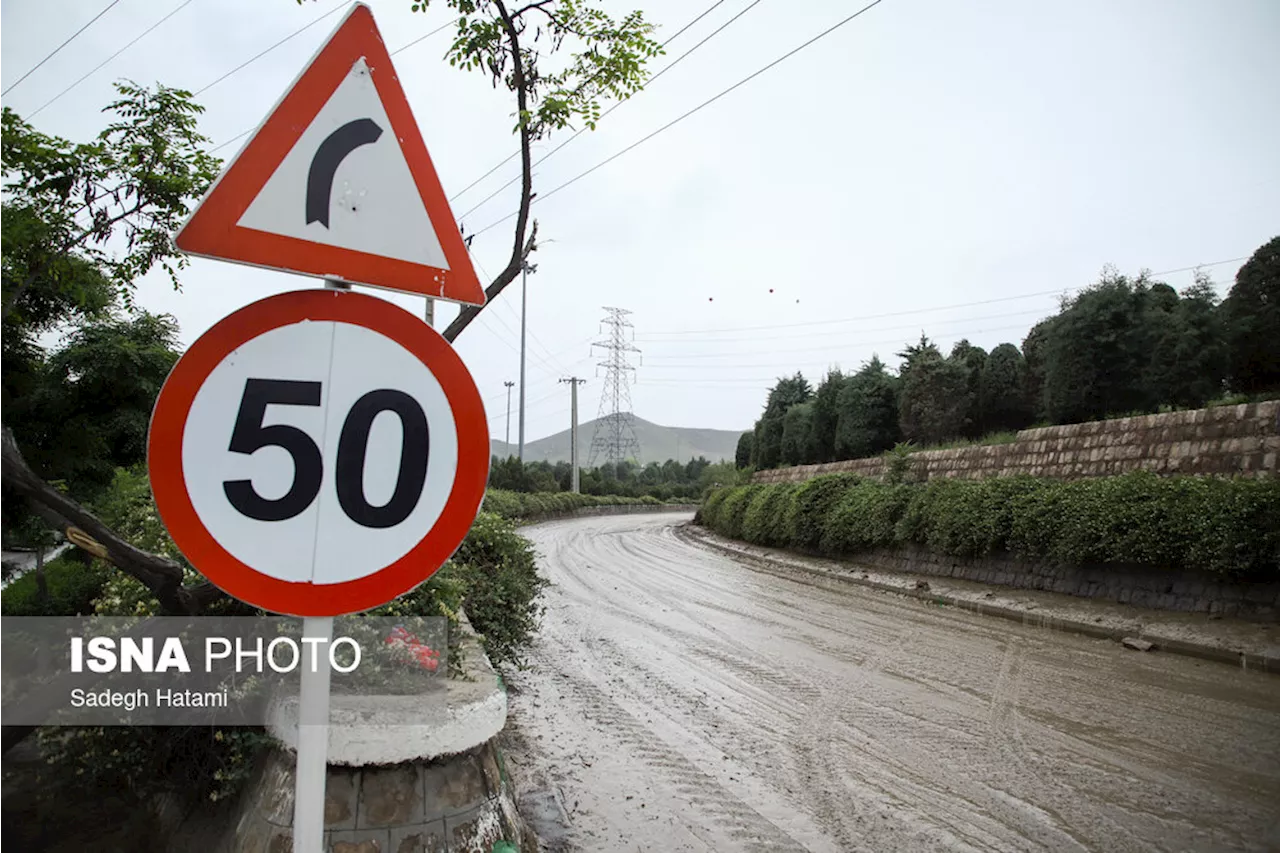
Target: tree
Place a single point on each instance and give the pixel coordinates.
(1097, 351)
(972, 359)
(1251, 315)
(90, 413)
(789, 392)
(742, 455)
(81, 223)
(1033, 377)
(867, 405)
(1001, 391)
(826, 416)
(75, 204)
(934, 398)
(797, 434)
(550, 94)
(1187, 357)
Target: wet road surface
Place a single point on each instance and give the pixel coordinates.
(679, 700)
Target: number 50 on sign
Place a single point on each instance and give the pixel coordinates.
(318, 452)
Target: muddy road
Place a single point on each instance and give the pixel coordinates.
(679, 700)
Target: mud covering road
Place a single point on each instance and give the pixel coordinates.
(679, 700)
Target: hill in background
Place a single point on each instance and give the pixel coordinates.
(657, 444)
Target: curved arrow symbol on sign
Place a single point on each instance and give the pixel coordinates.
(329, 156)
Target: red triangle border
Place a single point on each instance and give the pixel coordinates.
(212, 230)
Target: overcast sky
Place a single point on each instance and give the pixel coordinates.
(926, 158)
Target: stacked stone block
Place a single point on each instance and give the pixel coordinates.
(1239, 440)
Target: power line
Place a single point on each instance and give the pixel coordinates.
(682, 117)
(647, 84)
(887, 342)
(516, 153)
(104, 62)
(738, 353)
(910, 311)
(242, 134)
(545, 362)
(291, 35)
(60, 47)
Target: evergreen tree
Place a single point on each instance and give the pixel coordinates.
(742, 456)
(797, 434)
(972, 359)
(1001, 390)
(1251, 315)
(934, 397)
(868, 412)
(826, 416)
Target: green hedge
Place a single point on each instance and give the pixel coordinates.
(71, 585)
(527, 506)
(1227, 526)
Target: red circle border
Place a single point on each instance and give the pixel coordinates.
(168, 425)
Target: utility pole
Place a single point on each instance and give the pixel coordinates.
(509, 385)
(574, 382)
(524, 304)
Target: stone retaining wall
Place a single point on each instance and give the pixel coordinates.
(1222, 441)
(1188, 591)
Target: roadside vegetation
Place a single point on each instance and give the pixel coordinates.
(82, 223)
(1227, 526)
(522, 506)
(665, 481)
(1125, 345)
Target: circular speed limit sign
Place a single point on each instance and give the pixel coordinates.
(318, 453)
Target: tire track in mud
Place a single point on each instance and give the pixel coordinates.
(726, 813)
(861, 721)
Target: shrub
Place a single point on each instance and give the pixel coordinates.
(71, 585)
(197, 762)
(1227, 526)
(709, 512)
(501, 586)
(864, 518)
(734, 509)
(809, 505)
(529, 506)
(770, 506)
(762, 523)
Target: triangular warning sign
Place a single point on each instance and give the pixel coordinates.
(337, 182)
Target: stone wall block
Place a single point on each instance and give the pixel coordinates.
(458, 790)
(341, 798)
(390, 795)
(424, 838)
(489, 768)
(477, 829)
(359, 841)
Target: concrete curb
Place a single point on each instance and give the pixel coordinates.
(1203, 651)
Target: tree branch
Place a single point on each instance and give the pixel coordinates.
(162, 576)
(520, 249)
(470, 312)
(66, 247)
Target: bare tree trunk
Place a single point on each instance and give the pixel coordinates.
(162, 576)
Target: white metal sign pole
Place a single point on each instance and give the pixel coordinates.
(313, 738)
(313, 735)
